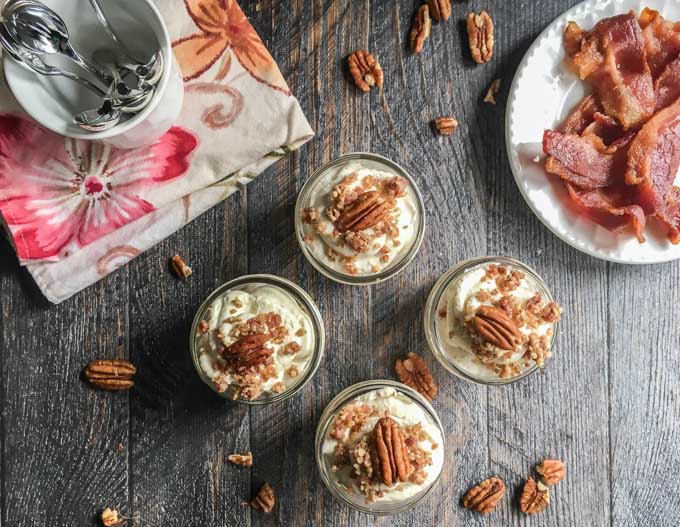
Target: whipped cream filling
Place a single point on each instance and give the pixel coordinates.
(241, 304)
(387, 402)
(384, 249)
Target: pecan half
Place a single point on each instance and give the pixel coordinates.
(497, 328)
(181, 269)
(110, 518)
(265, 499)
(365, 70)
(441, 9)
(480, 36)
(535, 497)
(114, 374)
(420, 31)
(485, 496)
(446, 125)
(414, 372)
(245, 460)
(552, 471)
(248, 351)
(365, 212)
(391, 460)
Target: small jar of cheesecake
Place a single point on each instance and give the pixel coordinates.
(491, 320)
(257, 339)
(380, 447)
(360, 219)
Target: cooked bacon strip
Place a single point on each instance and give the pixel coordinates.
(667, 86)
(613, 208)
(612, 58)
(654, 158)
(582, 115)
(662, 40)
(670, 215)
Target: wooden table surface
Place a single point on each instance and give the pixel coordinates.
(608, 403)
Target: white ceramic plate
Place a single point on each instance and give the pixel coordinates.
(541, 95)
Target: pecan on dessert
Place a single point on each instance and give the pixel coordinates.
(365, 70)
(364, 212)
(248, 351)
(265, 499)
(445, 125)
(245, 460)
(114, 374)
(110, 518)
(497, 328)
(552, 471)
(391, 462)
(485, 496)
(493, 90)
(441, 9)
(420, 31)
(480, 36)
(414, 372)
(535, 497)
(181, 269)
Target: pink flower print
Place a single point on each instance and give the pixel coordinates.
(58, 194)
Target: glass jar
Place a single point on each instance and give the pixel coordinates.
(323, 177)
(464, 367)
(324, 460)
(300, 298)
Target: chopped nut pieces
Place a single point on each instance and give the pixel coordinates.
(115, 374)
(110, 517)
(480, 36)
(497, 328)
(203, 326)
(391, 461)
(552, 471)
(365, 70)
(485, 497)
(245, 460)
(441, 9)
(181, 269)
(535, 497)
(493, 91)
(265, 499)
(446, 125)
(414, 372)
(420, 31)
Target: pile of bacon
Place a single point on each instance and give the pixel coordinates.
(618, 151)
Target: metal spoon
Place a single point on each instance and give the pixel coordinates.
(147, 75)
(99, 119)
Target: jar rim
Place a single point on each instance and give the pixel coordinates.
(301, 297)
(397, 266)
(431, 309)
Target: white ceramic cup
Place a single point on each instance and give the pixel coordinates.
(53, 101)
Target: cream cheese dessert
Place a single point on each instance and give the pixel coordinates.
(359, 220)
(255, 340)
(383, 446)
(494, 322)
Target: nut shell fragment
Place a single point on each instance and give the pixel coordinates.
(265, 499)
(112, 375)
(365, 70)
(552, 471)
(485, 497)
(535, 497)
(414, 372)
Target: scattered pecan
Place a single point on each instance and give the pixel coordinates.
(446, 125)
(248, 351)
(493, 90)
(414, 372)
(363, 213)
(181, 269)
(497, 328)
(552, 471)
(203, 326)
(365, 70)
(420, 31)
(265, 499)
(485, 496)
(391, 460)
(535, 497)
(114, 374)
(109, 517)
(245, 460)
(480, 36)
(441, 9)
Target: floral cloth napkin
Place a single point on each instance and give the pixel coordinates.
(76, 210)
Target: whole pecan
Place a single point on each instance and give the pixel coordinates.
(248, 351)
(535, 497)
(113, 374)
(445, 125)
(364, 212)
(441, 9)
(485, 496)
(365, 70)
(414, 372)
(265, 499)
(480, 36)
(420, 31)
(391, 460)
(497, 328)
(552, 471)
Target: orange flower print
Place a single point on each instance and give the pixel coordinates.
(224, 26)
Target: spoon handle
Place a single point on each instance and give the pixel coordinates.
(112, 34)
